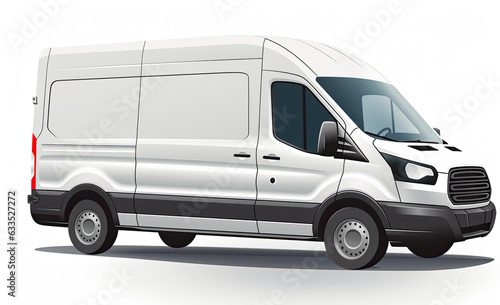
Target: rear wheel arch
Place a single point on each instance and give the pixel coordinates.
(92, 192)
(347, 199)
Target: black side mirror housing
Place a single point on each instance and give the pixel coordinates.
(328, 140)
(437, 130)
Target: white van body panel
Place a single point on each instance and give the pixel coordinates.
(98, 148)
(374, 177)
(169, 162)
(281, 59)
(203, 166)
(203, 49)
(342, 64)
(41, 92)
(119, 59)
(107, 161)
(323, 60)
(39, 111)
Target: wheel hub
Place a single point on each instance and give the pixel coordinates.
(351, 239)
(88, 227)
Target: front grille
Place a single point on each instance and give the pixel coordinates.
(468, 185)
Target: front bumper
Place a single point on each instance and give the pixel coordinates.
(419, 223)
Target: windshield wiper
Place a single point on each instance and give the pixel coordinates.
(379, 136)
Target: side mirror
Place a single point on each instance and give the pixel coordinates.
(437, 130)
(328, 139)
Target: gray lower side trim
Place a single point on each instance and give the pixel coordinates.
(215, 224)
(127, 219)
(196, 223)
(285, 228)
(219, 233)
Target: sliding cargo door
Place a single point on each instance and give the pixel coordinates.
(196, 165)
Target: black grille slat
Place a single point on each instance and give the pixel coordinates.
(467, 174)
(468, 185)
(470, 197)
(464, 187)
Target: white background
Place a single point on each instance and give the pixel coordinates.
(435, 52)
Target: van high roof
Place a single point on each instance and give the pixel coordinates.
(322, 60)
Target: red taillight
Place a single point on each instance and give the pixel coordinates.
(33, 162)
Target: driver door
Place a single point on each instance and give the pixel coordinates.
(293, 179)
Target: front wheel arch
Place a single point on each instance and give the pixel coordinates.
(344, 200)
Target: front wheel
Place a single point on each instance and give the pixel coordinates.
(353, 240)
(430, 250)
(89, 228)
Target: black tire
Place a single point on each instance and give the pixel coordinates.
(176, 239)
(90, 230)
(430, 250)
(353, 240)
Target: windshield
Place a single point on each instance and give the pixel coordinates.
(378, 109)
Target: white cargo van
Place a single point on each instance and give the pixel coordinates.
(245, 136)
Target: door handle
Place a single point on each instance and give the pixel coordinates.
(271, 157)
(242, 155)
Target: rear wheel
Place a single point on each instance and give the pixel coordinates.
(89, 228)
(430, 250)
(176, 239)
(353, 240)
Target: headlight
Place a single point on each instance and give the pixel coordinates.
(409, 171)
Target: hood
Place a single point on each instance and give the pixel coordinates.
(443, 157)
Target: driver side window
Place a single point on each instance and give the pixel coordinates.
(297, 115)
